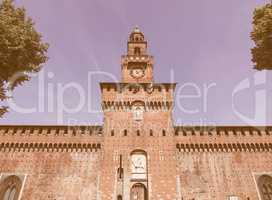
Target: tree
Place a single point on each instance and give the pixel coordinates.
(21, 49)
(262, 37)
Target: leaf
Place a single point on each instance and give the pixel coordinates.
(22, 50)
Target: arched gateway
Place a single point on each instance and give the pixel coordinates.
(138, 192)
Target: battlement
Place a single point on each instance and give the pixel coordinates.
(229, 131)
(50, 138)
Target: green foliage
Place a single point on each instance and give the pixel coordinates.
(21, 50)
(262, 36)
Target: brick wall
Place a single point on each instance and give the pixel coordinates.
(54, 175)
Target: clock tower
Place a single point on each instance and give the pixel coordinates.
(137, 65)
(138, 130)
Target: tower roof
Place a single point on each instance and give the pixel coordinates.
(136, 35)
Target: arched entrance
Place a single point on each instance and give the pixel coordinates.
(265, 187)
(138, 192)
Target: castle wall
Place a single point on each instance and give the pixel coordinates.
(57, 163)
(216, 163)
(54, 175)
(217, 175)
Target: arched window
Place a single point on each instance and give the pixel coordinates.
(10, 188)
(119, 197)
(125, 132)
(138, 113)
(138, 110)
(137, 51)
(138, 192)
(265, 187)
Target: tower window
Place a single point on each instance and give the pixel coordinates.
(176, 133)
(138, 112)
(151, 132)
(159, 89)
(125, 132)
(138, 133)
(137, 51)
(163, 133)
(112, 132)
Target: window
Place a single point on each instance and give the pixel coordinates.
(138, 108)
(120, 170)
(265, 187)
(138, 133)
(161, 155)
(138, 113)
(10, 188)
(151, 132)
(137, 51)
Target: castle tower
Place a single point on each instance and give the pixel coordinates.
(137, 65)
(137, 120)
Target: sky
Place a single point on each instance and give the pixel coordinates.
(204, 46)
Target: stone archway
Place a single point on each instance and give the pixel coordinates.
(265, 187)
(138, 192)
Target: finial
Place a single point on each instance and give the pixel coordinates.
(136, 29)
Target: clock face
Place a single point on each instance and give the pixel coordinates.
(137, 72)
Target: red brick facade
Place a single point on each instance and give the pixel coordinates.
(138, 153)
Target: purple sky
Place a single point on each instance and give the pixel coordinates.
(200, 42)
